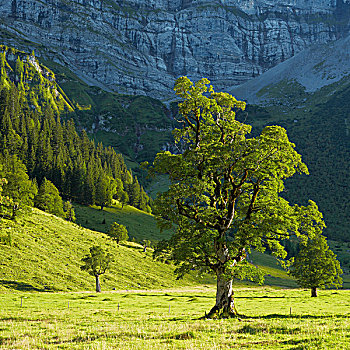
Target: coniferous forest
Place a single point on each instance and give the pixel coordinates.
(36, 144)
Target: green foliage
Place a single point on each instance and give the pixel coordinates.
(118, 232)
(104, 191)
(97, 261)
(19, 187)
(6, 203)
(318, 124)
(36, 83)
(48, 198)
(6, 239)
(225, 187)
(316, 265)
(69, 212)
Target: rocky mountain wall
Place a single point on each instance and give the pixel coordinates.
(141, 46)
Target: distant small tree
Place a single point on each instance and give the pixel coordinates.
(69, 211)
(5, 201)
(146, 244)
(124, 198)
(118, 232)
(316, 266)
(96, 263)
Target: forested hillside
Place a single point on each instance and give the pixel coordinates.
(137, 126)
(35, 139)
(318, 124)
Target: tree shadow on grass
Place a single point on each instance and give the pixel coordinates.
(268, 296)
(281, 316)
(21, 286)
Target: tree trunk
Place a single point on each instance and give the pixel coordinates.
(98, 287)
(224, 305)
(313, 292)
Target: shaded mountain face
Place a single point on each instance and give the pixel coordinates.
(309, 95)
(140, 47)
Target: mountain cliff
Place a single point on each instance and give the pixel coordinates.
(140, 47)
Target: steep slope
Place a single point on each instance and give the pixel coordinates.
(309, 94)
(45, 255)
(313, 68)
(136, 126)
(36, 83)
(139, 47)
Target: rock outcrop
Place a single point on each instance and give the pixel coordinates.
(141, 46)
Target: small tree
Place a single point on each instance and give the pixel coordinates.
(118, 232)
(96, 263)
(69, 211)
(146, 244)
(316, 266)
(104, 191)
(124, 198)
(5, 201)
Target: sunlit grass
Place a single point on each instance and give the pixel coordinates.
(170, 319)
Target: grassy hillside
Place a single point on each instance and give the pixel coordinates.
(45, 252)
(45, 256)
(140, 225)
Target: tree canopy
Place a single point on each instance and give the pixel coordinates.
(225, 192)
(49, 199)
(118, 232)
(96, 263)
(316, 266)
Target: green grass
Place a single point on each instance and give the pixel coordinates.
(46, 252)
(139, 224)
(170, 319)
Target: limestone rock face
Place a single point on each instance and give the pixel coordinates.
(141, 46)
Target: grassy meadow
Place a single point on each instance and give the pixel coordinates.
(170, 319)
(47, 302)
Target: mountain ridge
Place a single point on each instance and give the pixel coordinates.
(141, 47)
